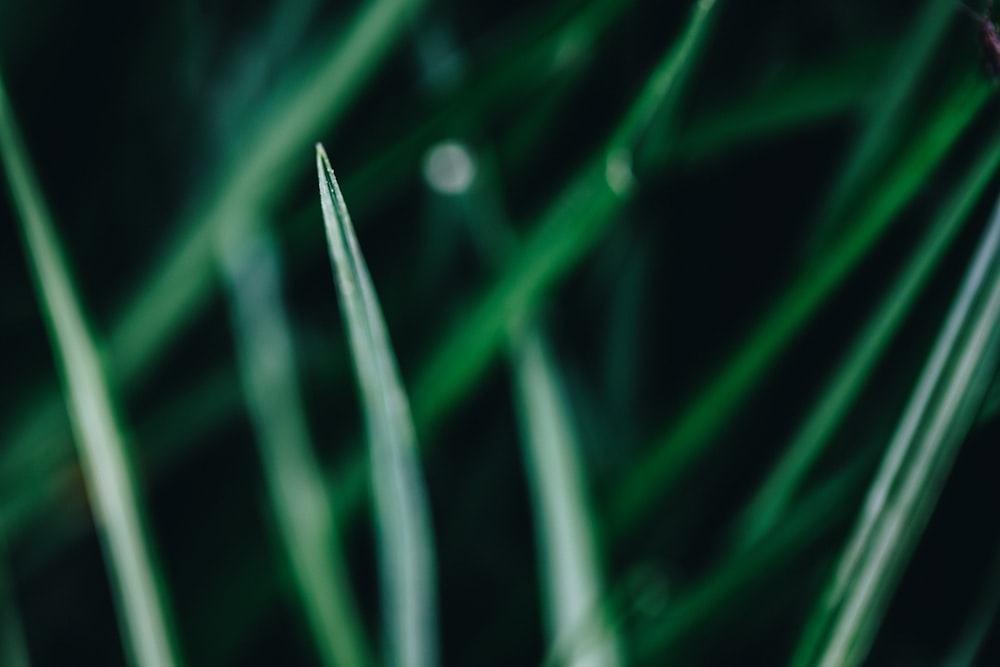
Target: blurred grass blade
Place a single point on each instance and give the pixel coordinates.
(143, 612)
(810, 95)
(772, 501)
(884, 125)
(739, 581)
(13, 647)
(685, 442)
(572, 226)
(982, 618)
(299, 498)
(563, 521)
(942, 408)
(402, 514)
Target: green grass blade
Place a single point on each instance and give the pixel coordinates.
(143, 612)
(401, 506)
(682, 444)
(774, 497)
(299, 498)
(884, 124)
(941, 410)
(569, 229)
(563, 520)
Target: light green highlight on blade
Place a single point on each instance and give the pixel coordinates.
(299, 498)
(685, 442)
(402, 514)
(142, 607)
(772, 501)
(942, 408)
(568, 562)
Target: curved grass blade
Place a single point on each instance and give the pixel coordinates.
(142, 611)
(402, 515)
(299, 498)
(576, 620)
(941, 410)
(783, 483)
(685, 442)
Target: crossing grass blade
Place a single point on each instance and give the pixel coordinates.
(299, 498)
(942, 408)
(143, 614)
(402, 514)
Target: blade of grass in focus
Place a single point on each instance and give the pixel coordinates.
(402, 514)
(299, 498)
(883, 127)
(576, 620)
(682, 444)
(772, 500)
(142, 612)
(941, 411)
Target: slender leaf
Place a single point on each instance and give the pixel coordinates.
(298, 491)
(143, 612)
(402, 515)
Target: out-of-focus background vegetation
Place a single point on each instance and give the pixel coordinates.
(693, 306)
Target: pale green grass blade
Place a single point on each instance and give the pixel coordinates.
(299, 498)
(941, 410)
(563, 521)
(683, 443)
(884, 125)
(143, 613)
(772, 501)
(402, 514)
